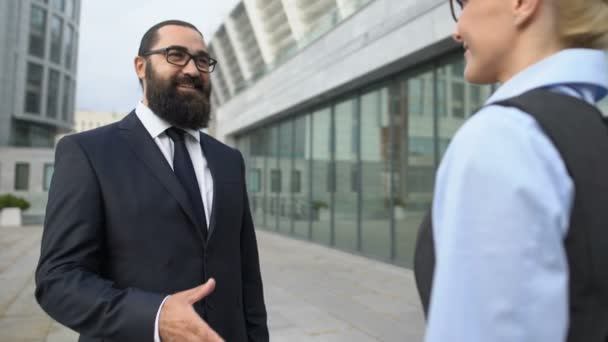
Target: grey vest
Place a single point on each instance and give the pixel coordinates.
(580, 134)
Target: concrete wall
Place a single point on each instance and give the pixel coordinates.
(36, 194)
(385, 36)
(7, 67)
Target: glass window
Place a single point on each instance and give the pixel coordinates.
(321, 155)
(52, 95)
(302, 205)
(296, 181)
(29, 134)
(255, 180)
(58, 5)
(258, 201)
(48, 176)
(458, 99)
(33, 88)
(70, 8)
(354, 178)
(68, 47)
(346, 163)
(275, 181)
(604, 104)
(286, 209)
(37, 31)
(22, 176)
(375, 173)
(413, 163)
(56, 35)
(66, 105)
(272, 211)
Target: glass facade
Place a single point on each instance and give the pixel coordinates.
(49, 67)
(52, 94)
(375, 172)
(68, 46)
(65, 104)
(33, 88)
(357, 173)
(56, 36)
(37, 31)
(47, 176)
(29, 134)
(58, 5)
(70, 9)
(22, 176)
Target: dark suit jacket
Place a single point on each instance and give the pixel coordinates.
(120, 235)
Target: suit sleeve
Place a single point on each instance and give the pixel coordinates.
(253, 293)
(69, 282)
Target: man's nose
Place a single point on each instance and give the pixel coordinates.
(190, 68)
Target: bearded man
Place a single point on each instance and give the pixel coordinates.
(148, 234)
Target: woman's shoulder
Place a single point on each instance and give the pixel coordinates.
(497, 124)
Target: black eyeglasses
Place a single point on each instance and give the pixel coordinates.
(179, 55)
(456, 8)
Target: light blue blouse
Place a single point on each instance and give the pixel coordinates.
(501, 210)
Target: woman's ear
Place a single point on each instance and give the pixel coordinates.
(524, 10)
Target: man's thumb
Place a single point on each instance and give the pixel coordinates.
(201, 291)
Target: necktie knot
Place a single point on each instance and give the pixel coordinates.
(176, 134)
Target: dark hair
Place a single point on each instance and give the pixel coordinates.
(151, 36)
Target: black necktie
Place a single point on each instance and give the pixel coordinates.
(182, 166)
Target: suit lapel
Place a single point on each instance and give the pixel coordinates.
(212, 162)
(148, 152)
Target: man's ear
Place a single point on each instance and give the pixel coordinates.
(140, 67)
(524, 10)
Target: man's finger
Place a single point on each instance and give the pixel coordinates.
(201, 291)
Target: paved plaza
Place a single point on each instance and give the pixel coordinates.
(312, 293)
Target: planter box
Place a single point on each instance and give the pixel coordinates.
(324, 214)
(399, 212)
(10, 217)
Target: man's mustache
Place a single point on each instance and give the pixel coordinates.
(194, 82)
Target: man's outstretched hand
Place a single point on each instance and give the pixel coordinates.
(179, 322)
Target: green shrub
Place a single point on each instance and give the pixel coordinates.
(397, 201)
(318, 205)
(10, 201)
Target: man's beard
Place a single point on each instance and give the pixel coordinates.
(188, 110)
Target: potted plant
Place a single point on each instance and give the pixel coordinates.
(321, 210)
(10, 210)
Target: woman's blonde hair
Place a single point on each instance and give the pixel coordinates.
(583, 23)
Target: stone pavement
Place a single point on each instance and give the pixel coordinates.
(312, 294)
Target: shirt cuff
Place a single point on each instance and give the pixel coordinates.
(156, 332)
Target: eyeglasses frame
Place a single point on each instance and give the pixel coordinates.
(165, 51)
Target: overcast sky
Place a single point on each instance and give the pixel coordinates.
(110, 32)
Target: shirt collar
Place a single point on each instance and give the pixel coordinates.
(583, 69)
(155, 125)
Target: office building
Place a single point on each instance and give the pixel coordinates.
(38, 59)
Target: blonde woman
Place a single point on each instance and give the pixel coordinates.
(519, 215)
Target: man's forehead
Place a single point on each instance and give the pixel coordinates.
(174, 35)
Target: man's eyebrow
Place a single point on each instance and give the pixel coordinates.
(196, 53)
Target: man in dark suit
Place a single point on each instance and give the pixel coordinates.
(144, 211)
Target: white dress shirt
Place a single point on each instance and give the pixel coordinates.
(501, 210)
(157, 127)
